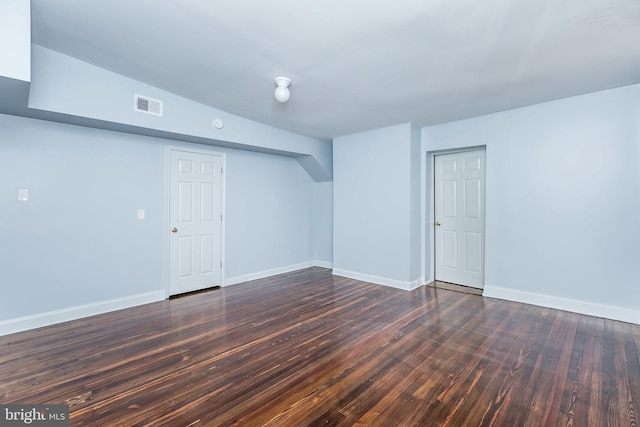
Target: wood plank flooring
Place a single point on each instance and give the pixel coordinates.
(309, 349)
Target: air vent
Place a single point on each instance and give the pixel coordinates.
(144, 104)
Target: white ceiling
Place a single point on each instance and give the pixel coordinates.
(355, 64)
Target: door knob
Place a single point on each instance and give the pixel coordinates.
(174, 230)
(438, 224)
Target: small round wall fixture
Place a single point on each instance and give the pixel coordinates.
(282, 93)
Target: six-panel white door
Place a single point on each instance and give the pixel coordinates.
(459, 217)
(195, 221)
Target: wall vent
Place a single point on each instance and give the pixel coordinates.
(144, 104)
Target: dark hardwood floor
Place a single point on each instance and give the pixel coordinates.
(309, 349)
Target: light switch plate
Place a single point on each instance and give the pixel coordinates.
(23, 194)
(140, 213)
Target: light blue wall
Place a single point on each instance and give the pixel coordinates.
(322, 223)
(15, 39)
(376, 204)
(269, 201)
(416, 191)
(563, 195)
(15, 54)
(426, 178)
(77, 241)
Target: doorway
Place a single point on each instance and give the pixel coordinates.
(459, 217)
(196, 189)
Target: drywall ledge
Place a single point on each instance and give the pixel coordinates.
(15, 39)
(14, 95)
(68, 90)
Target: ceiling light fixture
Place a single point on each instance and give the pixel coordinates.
(282, 93)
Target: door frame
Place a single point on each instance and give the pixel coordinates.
(431, 210)
(167, 210)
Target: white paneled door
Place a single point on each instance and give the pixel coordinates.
(195, 221)
(459, 217)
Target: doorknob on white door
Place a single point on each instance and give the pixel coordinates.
(437, 224)
(174, 230)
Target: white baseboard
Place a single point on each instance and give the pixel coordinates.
(417, 283)
(323, 264)
(274, 271)
(398, 284)
(266, 273)
(72, 313)
(582, 307)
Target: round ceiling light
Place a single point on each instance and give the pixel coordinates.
(282, 93)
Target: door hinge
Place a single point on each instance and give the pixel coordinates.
(221, 171)
(220, 264)
(220, 217)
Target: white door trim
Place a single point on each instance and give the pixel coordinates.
(167, 207)
(429, 211)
